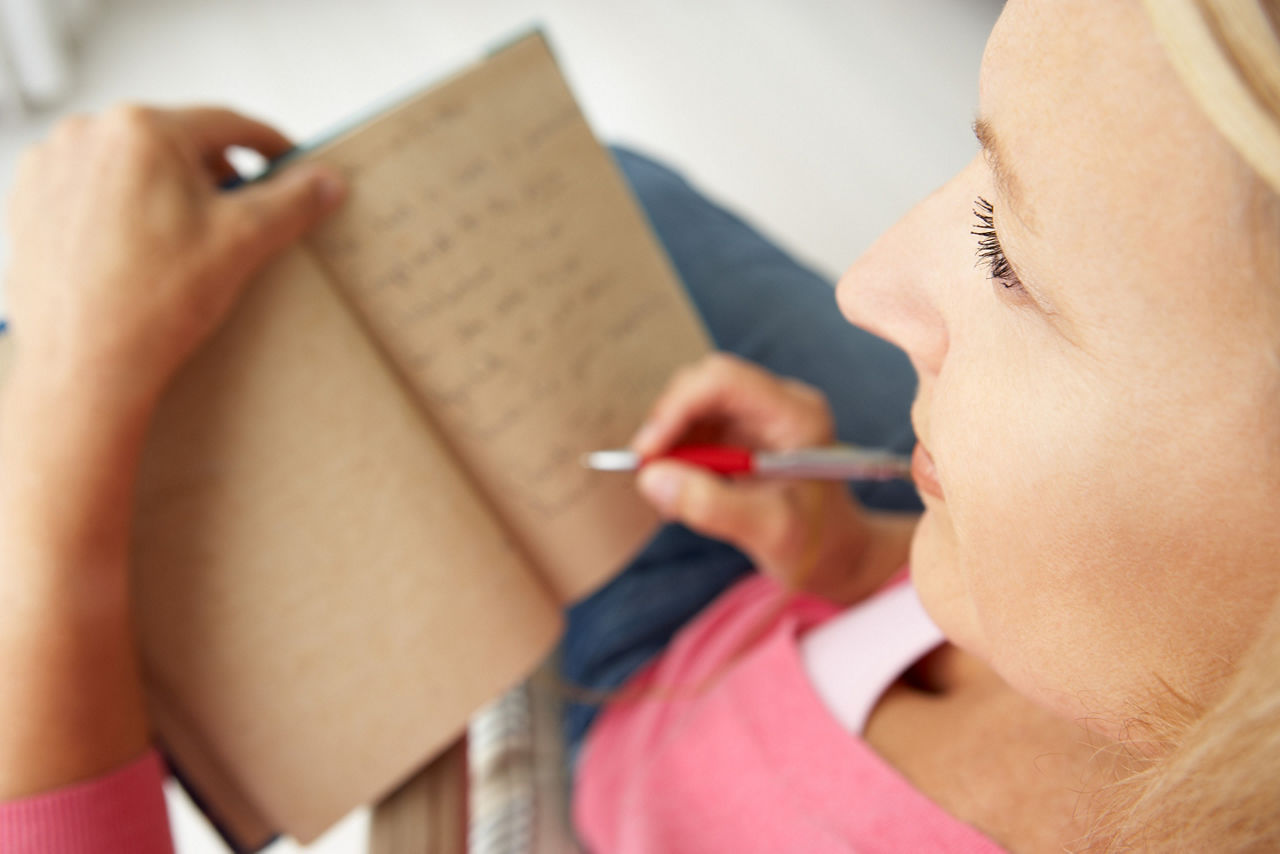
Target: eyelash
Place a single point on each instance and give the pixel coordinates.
(990, 252)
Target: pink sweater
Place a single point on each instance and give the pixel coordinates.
(122, 812)
(747, 757)
(740, 757)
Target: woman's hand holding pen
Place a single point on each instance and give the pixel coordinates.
(126, 257)
(808, 535)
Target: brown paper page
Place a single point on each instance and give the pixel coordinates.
(493, 249)
(323, 599)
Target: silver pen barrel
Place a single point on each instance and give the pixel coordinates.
(843, 462)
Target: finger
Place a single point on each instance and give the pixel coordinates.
(220, 167)
(695, 393)
(257, 221)
(213, 129)
(763, 409)
(752, 519)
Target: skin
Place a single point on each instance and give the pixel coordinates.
(126, 258)
(1102, 425)
(1105, 444)
(1103, 435)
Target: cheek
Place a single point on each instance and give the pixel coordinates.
(1013, 565)
(1089, 549)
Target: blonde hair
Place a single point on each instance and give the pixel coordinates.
(1217, 789)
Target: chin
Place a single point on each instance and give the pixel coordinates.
(938, 582)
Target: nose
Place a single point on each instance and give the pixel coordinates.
(898, 289)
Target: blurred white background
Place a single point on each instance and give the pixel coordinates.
(821, 121)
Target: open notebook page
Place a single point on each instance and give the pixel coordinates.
(323, 599)
(495, 252)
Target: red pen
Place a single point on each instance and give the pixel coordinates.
(838, 462)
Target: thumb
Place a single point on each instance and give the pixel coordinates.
(260, 220)
(751, 519)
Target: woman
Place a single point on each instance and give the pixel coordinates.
(1097, 417)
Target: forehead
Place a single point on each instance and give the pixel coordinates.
(1128, 181)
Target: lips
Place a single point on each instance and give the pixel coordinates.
(924, 473)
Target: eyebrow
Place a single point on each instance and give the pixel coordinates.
(1006, 181)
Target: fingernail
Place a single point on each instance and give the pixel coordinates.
(661, 485)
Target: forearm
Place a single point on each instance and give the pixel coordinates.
(66, 643)
(127, 257)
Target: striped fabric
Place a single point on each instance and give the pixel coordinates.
(519, 796)
(500, 753)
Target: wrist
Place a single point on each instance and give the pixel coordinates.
(887, 546)
(70, 456)
(69, 417)
(77, 390)
(78, 708)
(869, 549)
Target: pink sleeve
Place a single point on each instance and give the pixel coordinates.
(121, 811)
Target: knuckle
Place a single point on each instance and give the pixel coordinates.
(134, 128)
(809, 400)
(801, 389)
(714, 370)
(683, 378)
(720, 365)
(685, 373)
(70, 128)
(127, 115)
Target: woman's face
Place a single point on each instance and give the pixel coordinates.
(1104, 420)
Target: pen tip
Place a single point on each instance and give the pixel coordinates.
(611, 460)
